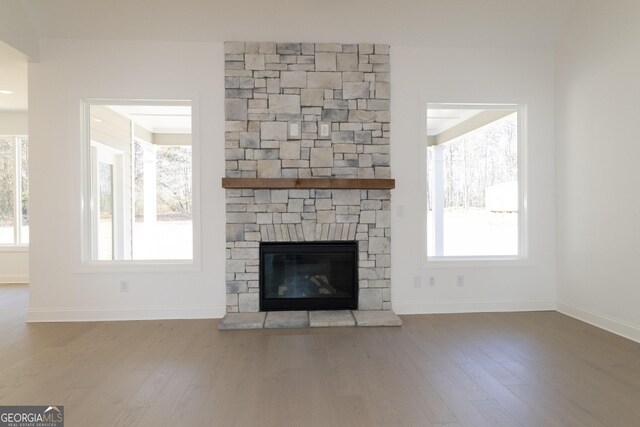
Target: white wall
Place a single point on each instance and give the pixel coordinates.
(421, 75)
(14, 265)
(16, 29)
(14, 262)
(68, 71)
(14, 123)
(598, 150)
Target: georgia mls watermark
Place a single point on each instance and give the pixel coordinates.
(32, 416)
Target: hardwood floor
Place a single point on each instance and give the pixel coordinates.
(507, 369)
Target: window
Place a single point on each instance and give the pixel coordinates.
(474, 191)
(14, 191)
(139, 181)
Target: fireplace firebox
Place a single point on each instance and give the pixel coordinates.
(308, 276)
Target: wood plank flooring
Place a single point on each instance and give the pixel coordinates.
(490, 369)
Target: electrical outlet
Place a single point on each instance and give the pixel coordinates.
(124, 286)
(417, 281)
(460, 280)
(432, 281)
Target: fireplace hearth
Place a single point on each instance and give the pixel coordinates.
(308, 276)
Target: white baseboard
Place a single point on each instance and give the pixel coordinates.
(602, 321)
(107, 314)
(14, 278)
(474, 306)
(599, 320)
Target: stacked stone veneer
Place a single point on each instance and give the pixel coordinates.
(269, 87)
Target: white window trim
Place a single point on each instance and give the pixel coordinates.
(85, 263)
(16, 246)
(522, 259)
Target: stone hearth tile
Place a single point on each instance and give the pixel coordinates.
(376, 318)
(323, 319)
(287, 319)
(242, 321)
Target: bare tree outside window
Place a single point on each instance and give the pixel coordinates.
(14, 190)
(174, 182)
(479, 160)
(24, 183)
(7, 189)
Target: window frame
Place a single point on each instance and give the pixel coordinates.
(522, 258)
(86, 263)
(101, 153)
(17, 244)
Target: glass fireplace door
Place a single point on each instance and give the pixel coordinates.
(317, 275)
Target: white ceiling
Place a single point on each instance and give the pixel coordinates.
(13, 77)
(158, 118)
(463, 23)
(442, 119)
(446, 23)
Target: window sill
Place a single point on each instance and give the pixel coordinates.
(14, 249)
(477, 262)
(151, 266)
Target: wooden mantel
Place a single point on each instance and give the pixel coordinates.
(304, 183)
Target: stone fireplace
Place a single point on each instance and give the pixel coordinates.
(307, 146)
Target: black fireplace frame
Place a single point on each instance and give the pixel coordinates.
(287, 304)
